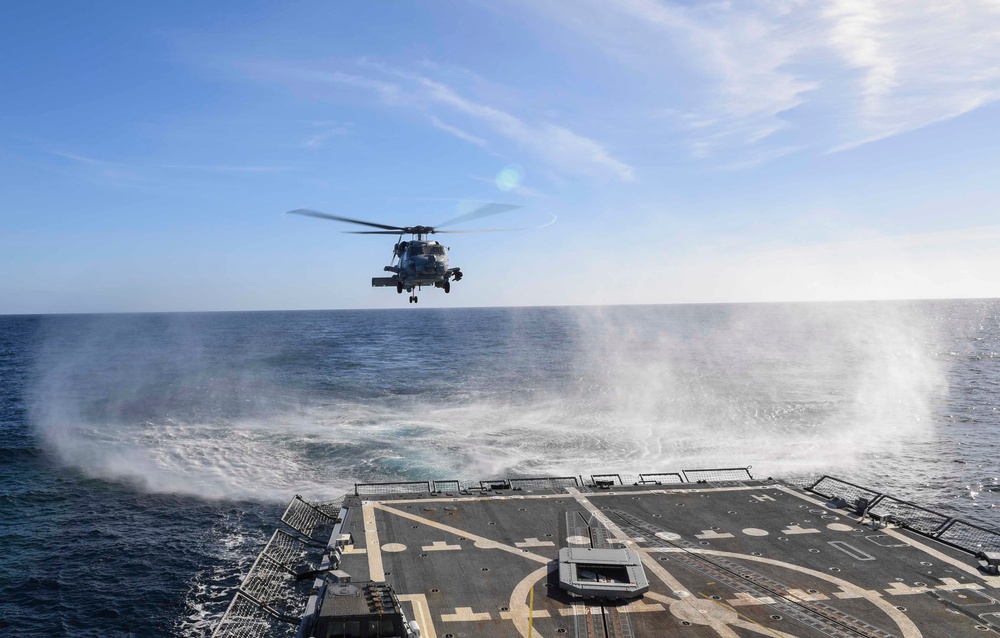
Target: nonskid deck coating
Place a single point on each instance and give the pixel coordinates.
(758, 558)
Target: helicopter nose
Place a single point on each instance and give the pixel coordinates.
(425, 263)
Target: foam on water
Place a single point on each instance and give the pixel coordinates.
(220, 410)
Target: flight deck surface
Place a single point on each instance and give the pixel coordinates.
(732, 559)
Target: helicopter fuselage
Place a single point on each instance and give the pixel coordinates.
(416, 263)
(419, 261)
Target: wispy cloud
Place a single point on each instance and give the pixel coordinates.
(559, 146)
(919, 63)
(736, 85)
(115, 173)
(131, 174)
(224, 168)
(328, 131)
(457, 132)
(863, 70)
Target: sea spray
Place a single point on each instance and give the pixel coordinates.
(268, 404)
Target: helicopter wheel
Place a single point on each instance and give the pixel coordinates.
(399, 289)
(447, 287)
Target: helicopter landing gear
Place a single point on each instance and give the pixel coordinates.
(413, 299)
(447, 287)
(399, 289)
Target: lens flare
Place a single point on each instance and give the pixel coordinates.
(510, 178)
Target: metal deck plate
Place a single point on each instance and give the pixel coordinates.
(756, 558)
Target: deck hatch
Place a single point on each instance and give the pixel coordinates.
(602, 573)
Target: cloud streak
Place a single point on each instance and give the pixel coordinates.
(558, 146)
(919, 64)
(860, 71)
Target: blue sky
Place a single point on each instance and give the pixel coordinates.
(691, 152)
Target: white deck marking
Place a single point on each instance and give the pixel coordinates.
(538, 613)
(453, 499)
(761, 497)
(666, 600)
(393, 547)
(804, 497)
(711, 533)
(747, 623)
(440, 546)
(422, 613)
(795, 529)
(755, 531)
(902, 589)
(354, 549)
(534, 542)
(518, 604)
(950, 584)
(480, 541)
(851, 550)
(685, 604)
(840, 527)
(804, 595)
(638, 606)
(375, 570)
(465, 614)
(992, 581)
(748, 599)
(906, 626)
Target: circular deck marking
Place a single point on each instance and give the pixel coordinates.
(394, 547)
(486, 544)
(698, 611)
(839, 527)
(668, 536)
(754, 531)
(578, 540)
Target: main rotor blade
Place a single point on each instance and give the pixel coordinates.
(316, 213)
(499, 230)
(481, 230)
(374, 232)
(483, 211)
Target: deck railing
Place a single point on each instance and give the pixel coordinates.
(917, 518)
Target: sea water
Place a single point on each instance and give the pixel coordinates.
(144, 459)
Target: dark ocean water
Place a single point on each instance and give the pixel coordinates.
(145, 458)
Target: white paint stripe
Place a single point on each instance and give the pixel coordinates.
(376, 571)
(572, 490)
(992, 581)
(421, 613)
(480, 541)
(906, 626)
(465, 614)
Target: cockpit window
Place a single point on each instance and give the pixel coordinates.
(426, 249)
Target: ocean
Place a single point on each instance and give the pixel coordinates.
(144, 459)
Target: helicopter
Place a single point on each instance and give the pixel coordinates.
(419, 261)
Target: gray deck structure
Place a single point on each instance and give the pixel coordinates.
(730, 558)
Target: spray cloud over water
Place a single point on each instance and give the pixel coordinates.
(786, 387)
(262, 405)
